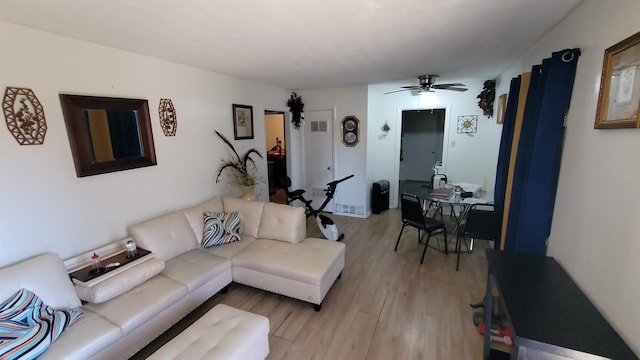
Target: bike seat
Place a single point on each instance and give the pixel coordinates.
(296, 193)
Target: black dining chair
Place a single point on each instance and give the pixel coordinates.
(413, 216)
(482, 222)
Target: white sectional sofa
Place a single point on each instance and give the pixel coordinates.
(127, 311)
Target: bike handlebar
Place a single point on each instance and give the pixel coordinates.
(336, 182)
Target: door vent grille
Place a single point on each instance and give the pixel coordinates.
(319, 126)
(316, 192)
(349, 209)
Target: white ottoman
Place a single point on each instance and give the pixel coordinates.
(222, 333)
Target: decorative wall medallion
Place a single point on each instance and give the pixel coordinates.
(168, 118)
(350, 130)
(467, 124)
(24, 115)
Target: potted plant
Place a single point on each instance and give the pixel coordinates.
(243, 168)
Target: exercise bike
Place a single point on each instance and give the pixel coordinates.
(325, 224)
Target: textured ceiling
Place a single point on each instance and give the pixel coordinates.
(302, 44)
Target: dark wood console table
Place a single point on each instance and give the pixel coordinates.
(550, 316)
(86, 277)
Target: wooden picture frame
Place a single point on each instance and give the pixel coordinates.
(242, 122)
(96, 149)
(502, 106)
(619, 96)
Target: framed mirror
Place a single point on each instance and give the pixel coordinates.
(108, 134)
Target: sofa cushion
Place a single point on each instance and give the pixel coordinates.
(220, 228)
(307, 261)
(133, 308)
(283, 222)
(120, 283)
(46, 276)
(195, 267)
(90, 334)
(250, 213)
(228, 251)
(165, 236)
(28, 326)
(194, 215)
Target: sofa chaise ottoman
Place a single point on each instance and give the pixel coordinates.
(223, 333)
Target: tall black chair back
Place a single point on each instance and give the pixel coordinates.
(411, 207)
(483, 222)
(413, 216)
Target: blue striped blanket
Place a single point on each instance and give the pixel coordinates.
(28, 326)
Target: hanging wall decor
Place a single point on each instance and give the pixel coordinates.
(487, 96)
(296, 106)
(350, 130)
(168, 119)
(24, 115)
(467, 124)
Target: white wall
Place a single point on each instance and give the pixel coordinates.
(595, 225)
(348, 160)
(45, 207)
(469, 158)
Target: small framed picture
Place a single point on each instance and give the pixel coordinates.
(242, 122)
(619, 95)
(502, 106)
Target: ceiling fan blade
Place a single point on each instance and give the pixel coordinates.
(449, 84)
(391, 92)
(411, 87)
(453, 88)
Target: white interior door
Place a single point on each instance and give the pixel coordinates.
(318, 158)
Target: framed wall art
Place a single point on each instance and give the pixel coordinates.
(502, 106)
(467, 124)
(242, 122)
(619, 95)
(24, 116)
(350, 130)
(168, 118)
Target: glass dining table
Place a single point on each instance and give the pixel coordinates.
(434, 204)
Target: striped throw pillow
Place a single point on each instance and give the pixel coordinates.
(220, 228)
(28, 326)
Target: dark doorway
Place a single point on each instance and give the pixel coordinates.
(276, 153)
(421, 147)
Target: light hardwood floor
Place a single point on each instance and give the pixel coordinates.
(385, 306)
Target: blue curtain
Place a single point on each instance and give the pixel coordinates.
(508, 127)
(537, 164)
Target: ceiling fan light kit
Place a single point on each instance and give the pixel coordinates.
(428, 84)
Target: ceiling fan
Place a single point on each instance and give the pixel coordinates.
(428, 83)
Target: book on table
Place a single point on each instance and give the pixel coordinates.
(442, 192)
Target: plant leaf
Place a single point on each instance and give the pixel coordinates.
(247, 156)
(228, 144)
